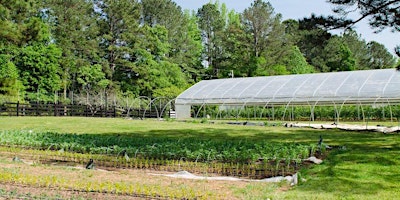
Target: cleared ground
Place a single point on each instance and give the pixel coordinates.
(367, 168)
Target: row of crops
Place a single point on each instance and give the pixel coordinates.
(228, 157)
(323, 113)
(131, 189)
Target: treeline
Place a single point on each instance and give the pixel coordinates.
(86, 50)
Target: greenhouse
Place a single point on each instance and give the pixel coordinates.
(367, 87)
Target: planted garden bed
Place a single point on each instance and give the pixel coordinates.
(239, 158)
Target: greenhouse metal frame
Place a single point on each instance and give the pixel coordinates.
(366, 87)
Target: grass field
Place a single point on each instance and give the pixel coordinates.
(368, 167)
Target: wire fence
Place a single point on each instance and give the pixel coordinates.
(57, 109)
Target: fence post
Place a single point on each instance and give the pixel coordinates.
(115, 112)
(106, 105)
(55, 109)
(17, 108)
(37, 109)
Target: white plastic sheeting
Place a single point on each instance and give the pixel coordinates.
(353, 87)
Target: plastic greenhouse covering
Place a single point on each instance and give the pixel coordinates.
(352, 87)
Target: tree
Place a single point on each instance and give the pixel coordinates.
(312, 41)
(13, 20)
(162, 12)
(150, 69)
(74, 29)
(189, 56)
(11, 88)
(237, 52)
(296, 63)
(379, 57)
(259, 20)
(382, 14)
(397, 50)
(292, 30)
(211, 24)
(183, 34)
(39, 67)
(338, 56)
(29, 58)
(267, 34)
(358, 47)
(119, 32)
(92, 79)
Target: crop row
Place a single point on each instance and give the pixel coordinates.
(9, 175)
(323, 113)
(261, 169)
(165, 148)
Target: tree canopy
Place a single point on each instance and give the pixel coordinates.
(381, 14)
(66, 51)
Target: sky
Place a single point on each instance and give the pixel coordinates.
(298, 9)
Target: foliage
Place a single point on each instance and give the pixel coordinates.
(39, 68)
(91, 77)
(265, 35)
(359, 49)
(74, 28)
(159, 148)
(211, 24)
(397, 50)
(382, 14)
(153, 48)
(379, 57)
(296, 63)
(237, 54)
(170, 92)
(154, 69)
(183, 33)
(338, 56)
(10, 84)
(311, 41)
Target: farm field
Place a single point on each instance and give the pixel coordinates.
(365, 167)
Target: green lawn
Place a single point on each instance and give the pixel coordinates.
(368, 167)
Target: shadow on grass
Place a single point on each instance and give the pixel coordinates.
(369, 166)
(364, 141)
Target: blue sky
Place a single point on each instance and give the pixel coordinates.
(297, 9)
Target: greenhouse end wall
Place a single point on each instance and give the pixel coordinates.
(182, 111)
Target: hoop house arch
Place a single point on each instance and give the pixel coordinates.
(161, 108)
(366, 87)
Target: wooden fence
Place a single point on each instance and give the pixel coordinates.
(54, 109)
